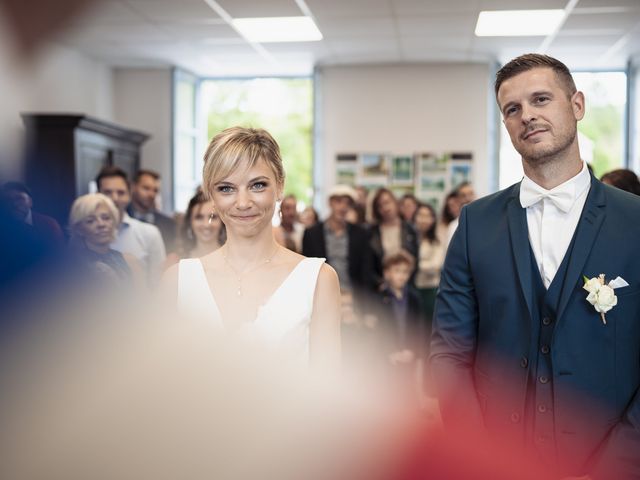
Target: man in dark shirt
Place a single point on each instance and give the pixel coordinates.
(343, 244)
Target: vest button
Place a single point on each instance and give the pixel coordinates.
(542, 408)
(544, 379)
(524, 362)
(515, 417)
(545, 349)
(546, 321)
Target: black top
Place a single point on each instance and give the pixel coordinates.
(109, 267)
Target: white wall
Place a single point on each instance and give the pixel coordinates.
(66, 81)
(403, 109)
(142, 100)
(56, 80)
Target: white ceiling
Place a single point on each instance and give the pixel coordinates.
(193, 34)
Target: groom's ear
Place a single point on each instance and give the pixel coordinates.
(577, 104)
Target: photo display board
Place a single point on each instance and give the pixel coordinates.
(427, 175)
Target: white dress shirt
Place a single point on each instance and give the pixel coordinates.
(143, 241)
(552, 218)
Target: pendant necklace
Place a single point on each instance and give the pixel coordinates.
(239, 275)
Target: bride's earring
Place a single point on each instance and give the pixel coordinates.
(211, 215)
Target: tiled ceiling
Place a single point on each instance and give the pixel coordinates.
(195, 34)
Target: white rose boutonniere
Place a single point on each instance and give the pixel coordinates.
(601, 294)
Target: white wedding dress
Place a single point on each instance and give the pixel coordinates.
(281, 323)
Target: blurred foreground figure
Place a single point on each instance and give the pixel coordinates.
(20, 203)
(523, 348)
(106, 391)
(109, 392)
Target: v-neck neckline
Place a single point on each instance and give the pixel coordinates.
(260, 307)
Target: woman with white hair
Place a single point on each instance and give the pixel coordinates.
(92, 226)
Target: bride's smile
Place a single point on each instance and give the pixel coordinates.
(247, 198)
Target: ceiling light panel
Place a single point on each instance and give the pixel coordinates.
(278, 29)
(263, 8)
(518, 23)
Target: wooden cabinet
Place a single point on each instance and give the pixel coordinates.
(64, 153)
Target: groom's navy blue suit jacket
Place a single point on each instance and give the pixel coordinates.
(483, 328)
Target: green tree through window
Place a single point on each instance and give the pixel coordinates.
(603, 122)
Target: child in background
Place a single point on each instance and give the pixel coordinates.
(400, 322)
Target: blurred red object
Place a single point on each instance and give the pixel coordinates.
(33, 22)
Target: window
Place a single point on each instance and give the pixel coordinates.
(602, 128)
(187, 139)
(282, 106)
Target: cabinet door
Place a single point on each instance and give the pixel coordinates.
(91, 157)
(126, 158)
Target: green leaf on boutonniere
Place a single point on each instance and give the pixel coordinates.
(585, 279)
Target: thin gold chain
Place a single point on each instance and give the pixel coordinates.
(239, 275)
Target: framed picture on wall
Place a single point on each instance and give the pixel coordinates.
(460, 173)
(427, 162)
(402, 169)
(347, 169)
(374, 169)
(460, 168)
(432, 176)
(400, 190)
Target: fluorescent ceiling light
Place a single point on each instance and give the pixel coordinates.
(518, 23)
(278, 29)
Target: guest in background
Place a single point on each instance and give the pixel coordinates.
(623, 179)
(144, 193)
(408, 206)
(464, 195)
(389, 234)
(362, 196)
(19, 201)
(357, 215)
(399, 322)
(309, 217)
(450, 212)
(431, 254)
(92, 227)
(142, 240)
(201, 231)
(289, 232)
(343, 244)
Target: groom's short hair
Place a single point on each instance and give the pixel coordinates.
(529, 61)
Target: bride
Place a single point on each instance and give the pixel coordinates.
(252, 282)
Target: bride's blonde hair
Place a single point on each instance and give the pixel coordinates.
(239, 147)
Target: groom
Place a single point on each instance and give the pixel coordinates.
(518, 352)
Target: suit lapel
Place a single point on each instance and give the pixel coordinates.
(587, 230)
(518, 232)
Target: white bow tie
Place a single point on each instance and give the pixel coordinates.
(531, 193)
